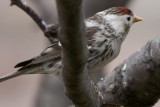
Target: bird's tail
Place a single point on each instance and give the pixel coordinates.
(12, 75)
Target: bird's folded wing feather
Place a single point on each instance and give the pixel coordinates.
(54, 51)
(50, 53)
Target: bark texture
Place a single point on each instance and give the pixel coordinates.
(79, 88)
(135, 82)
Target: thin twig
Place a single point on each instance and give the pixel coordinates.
(49, 30)
(23, 5)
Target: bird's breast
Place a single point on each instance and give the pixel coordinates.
(106, 55)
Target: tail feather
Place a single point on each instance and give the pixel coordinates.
(11, 75)
(24, 63)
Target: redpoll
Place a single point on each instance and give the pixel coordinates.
(106, 31)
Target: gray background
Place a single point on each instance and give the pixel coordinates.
(21, 39)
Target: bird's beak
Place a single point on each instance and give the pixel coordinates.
(137, 19)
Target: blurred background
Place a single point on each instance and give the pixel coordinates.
(21, 39)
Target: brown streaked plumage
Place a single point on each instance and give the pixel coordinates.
(106, 32)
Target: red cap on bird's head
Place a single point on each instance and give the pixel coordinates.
(125, 10)
(119, 11)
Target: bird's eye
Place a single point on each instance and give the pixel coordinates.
(128, 18)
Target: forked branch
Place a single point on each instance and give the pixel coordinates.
(134, 83)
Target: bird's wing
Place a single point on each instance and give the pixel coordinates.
(91, 31)
(54, 51)
(50, 53)
(94, 51)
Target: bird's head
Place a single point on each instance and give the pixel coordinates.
(120, 18)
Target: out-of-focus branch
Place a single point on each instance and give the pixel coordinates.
(49, 30)
(135, 82)
(79, 88)
(23, 5)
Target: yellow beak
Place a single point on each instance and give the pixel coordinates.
(137, 19)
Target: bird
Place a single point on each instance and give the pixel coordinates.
(105, 32)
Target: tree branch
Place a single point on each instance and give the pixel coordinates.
(49, 30)
(79, 88)
(23, 5)
(135, 82)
